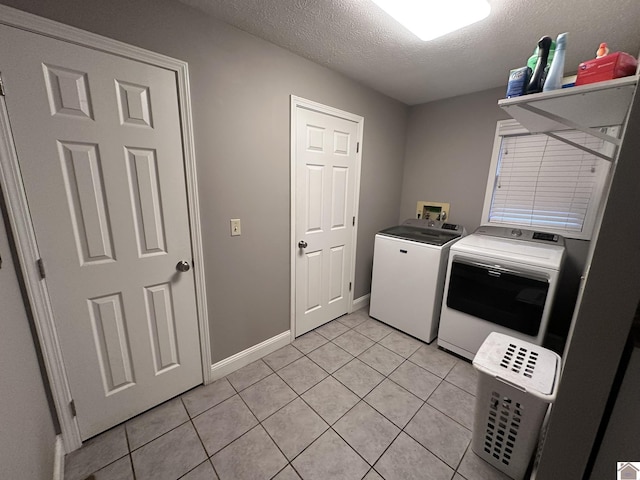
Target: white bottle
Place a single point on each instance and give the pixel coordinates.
(556, 71)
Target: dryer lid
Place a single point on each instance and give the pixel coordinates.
(511, 250)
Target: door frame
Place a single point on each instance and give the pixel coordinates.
(299, 102)
(22, 227)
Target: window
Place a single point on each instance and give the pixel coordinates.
(542, 183)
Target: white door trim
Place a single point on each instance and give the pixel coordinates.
(299, 102)
(15, 197)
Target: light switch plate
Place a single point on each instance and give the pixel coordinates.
(235, 227)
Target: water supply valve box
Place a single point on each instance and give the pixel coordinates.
(433, 211)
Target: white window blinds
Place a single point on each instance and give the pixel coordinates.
(543, 183)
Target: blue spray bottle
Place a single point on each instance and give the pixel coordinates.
(556, 71)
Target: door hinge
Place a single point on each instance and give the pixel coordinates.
(41, 269)
(358, 147)
(1, 87)
(72, 407)
(353, 221)
(349, 286)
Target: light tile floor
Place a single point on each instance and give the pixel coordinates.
(354, 399)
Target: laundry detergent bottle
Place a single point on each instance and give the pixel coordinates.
(556, 71)
(537, 79)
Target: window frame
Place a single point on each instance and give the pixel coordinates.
(509, 128)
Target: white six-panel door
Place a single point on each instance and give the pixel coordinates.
(325, 166)
(100, 151)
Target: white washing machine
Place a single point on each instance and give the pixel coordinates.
(499, 279)
(409, 264)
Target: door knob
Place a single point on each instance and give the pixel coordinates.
(302, 244)
(183, 266)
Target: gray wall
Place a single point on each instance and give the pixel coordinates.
(448, 155)
(620, 441)
(610, 297)
(28, 437)
(240, 89)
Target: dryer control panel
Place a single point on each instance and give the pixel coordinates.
(521, 234)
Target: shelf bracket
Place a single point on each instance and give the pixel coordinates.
(570, 124)
(581, 147)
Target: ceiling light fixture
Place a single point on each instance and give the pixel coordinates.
(429, 19)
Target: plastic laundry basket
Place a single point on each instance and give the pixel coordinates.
(518, 381)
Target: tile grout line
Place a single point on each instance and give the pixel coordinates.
(401, 430)
(251, 384)
(289, 462)
(232, 441)
(295, 470)
(424, 402)
(212, 406)
(329, 426)
(206, 453)
(445, 414)
(305, 391)
(299, 395)
(133, 468)
(362, 399)
(462, 458)
(338, 419)
(286, 364)
(338, 346)
(128, 454)
(358, 453)
(161, 435)
(260, 423)
(433, 453)
(263, 427)
(282, 469)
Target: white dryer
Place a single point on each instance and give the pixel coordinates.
(409, 265)
(499, 279)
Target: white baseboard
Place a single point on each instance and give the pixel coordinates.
(361, 302)
(58, 459)
(240, 359)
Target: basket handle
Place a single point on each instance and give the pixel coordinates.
(511, 384)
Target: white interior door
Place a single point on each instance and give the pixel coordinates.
(99, 145)
(325, 169)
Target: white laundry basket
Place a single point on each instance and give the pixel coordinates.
(518, 381)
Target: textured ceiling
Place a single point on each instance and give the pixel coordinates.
(357, 39)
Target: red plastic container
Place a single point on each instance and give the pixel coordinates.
(614, 65)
